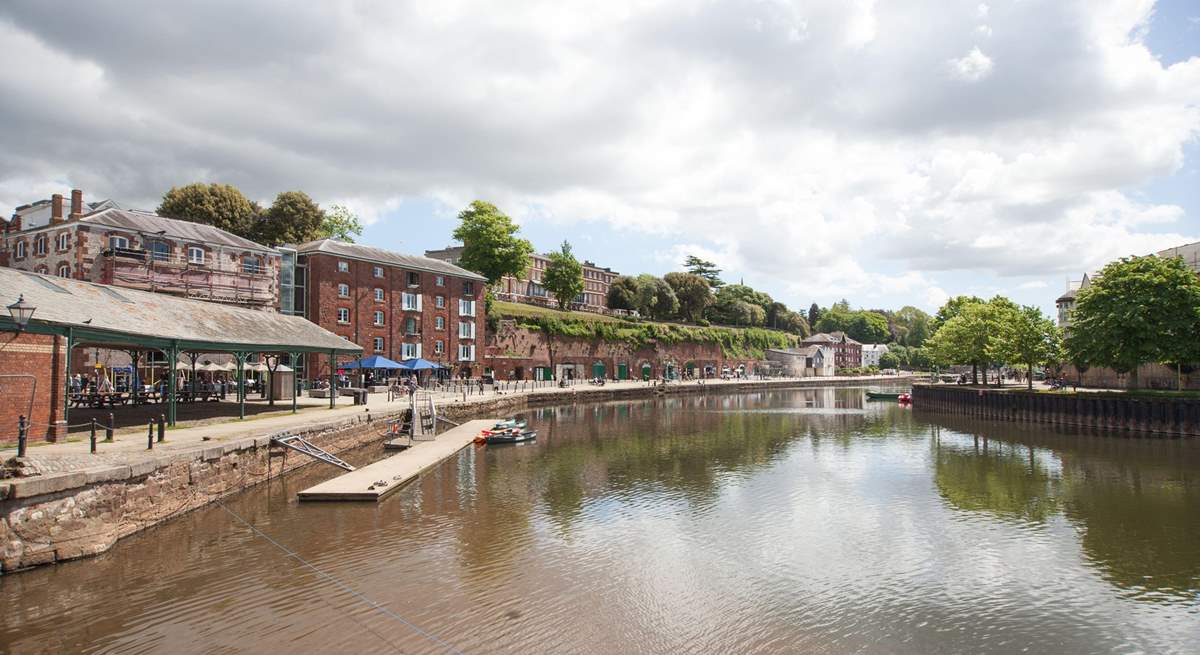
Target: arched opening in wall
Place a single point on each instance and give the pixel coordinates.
(598, 370)
(569, 371)
(690, 367)
(647, 371)
(622, 371)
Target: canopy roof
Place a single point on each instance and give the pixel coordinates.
(111, 316)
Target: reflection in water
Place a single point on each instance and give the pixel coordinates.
(777, 521)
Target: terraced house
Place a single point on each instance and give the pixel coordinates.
(395, 305)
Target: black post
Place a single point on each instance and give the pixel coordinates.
(93, 436)
(108, 429)
(22, 428)
(150, 434)
(162, 421)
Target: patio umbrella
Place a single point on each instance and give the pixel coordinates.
(419, 364)
(374, 361)
(210, 367)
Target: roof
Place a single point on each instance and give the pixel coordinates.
(381, 256)
(104, 314)
(173, 228)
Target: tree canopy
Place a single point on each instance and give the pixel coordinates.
(1138, 310)
(1029, 338)
(623, 293)
(655, 298)
(491, 246)
(693, 292)
(340, 223)
(219, 205)
(563, 276)
(705, 269)
(953, 307)
(292, 218)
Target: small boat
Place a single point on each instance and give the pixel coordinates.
(885, 395)
(512, 425)
(510, 437)
(905, 399)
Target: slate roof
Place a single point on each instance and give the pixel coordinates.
(108, 311)
(172, 228)
(387, 257)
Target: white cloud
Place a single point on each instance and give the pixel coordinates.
(972, 67)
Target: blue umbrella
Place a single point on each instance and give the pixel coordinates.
(374, 361)
(418, 364)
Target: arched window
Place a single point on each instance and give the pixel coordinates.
(64, 270)
(195, 255)
(160, 251)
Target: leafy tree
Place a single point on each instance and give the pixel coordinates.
(693, 292)
(1029, 338)
(728, 305)
(292, 218)
(340, 223)
(963, 339)
(793, 322)
(842, 305)
(1139, 310)
(490, 243)
(868, 327)
(912, 326)
(219, 205)
(834, 320)
(655, 298)
(814, 314)
(952, 308)
(623, 293)
(889, 360)
(563, 276)
(705, 269)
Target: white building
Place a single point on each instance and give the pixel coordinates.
(871, 352)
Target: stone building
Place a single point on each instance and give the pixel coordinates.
(847, 351)
(871, 353)
(528, 289)
(807, 361)
(395, 305)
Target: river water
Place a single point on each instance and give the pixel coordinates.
(804, 521)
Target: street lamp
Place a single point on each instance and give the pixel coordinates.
(21, 312)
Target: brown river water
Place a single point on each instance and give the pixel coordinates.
(806, 521)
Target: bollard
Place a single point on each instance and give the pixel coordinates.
(22, 429)
(150, 434)
(93, 437)
(162, 427)
(108, 429)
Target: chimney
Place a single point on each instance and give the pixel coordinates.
(76, 203)
(56, 208)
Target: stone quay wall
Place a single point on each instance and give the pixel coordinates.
(62, 516)
(1174, 417)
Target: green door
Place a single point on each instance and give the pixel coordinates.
(622, 371)
(598, 370)
(547, 373)
(645, 372)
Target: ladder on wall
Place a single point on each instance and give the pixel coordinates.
(302, 445)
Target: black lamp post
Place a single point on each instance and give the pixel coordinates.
(21, 312)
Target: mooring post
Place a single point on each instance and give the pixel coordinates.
(162, 421)
(108, 429)
(92, 438)
(150, 434)
(22, 428)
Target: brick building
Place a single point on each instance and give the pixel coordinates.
(528, 289)
(847, 351)
(395, 305)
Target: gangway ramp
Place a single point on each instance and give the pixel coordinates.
(396, 471)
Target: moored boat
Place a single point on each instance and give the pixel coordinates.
(510, 437)
(885, 395)
(512, 425)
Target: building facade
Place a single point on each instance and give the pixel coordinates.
(1190, 253)
(394, 305)
(528, 288)
(871, 353)
(847, 351)
(807, 361)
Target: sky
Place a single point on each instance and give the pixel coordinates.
(889, 153)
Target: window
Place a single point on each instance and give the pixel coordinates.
(159, 251)
(440, 280)
(343, 290)
(118, 242)
(468, 288)
(343, 315)
(64, 241)
(466, 307)
(378, 294)
(378, 344)
(250, 265)
(411, 302)
(410, 351)
(343, 267)
(439, 301)
(536, 290)
(410, 325)
(466, 330)
(377, 271)
(439, 323)
(438, 347)
(378, 317)
(20, 250)
(466, 353)
(64, 270)
(39, 245)
(195, 255)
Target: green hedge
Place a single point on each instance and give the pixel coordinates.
(742, 343)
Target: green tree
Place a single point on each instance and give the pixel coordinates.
(727, 307)
(792, 322)
(1139, 310)
(563, 276)
(705, 269)
(292, 218)
(912, 325)
(693, 292)
(340, 223)
(623, 293)
(868, 327)
(491, 246)
(889, 360)
(1029, 338)
(655, 298)
(814, 315)
(219, 205)
(952, 308)
(963, 339)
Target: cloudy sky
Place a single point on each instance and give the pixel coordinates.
(887, 152)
